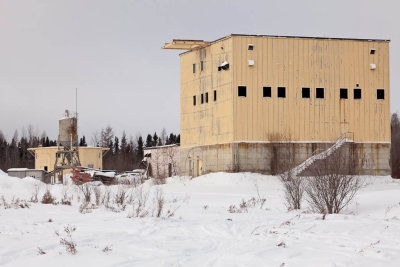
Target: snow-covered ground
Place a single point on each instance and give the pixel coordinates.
(202, 232)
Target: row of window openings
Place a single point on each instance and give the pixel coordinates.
(305, 93)
(201, 66)
(204, 98)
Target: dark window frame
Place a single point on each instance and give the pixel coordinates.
(215, 95)
(306, 92)
(267, 91)
(380, 96)
(357, 94)
(250, 47)
(320, 92)
(206, 97)
(194, 67)
(202, 99)
(279, 91)
(344, 93)
(201, 65)
(194, 100)
(242, 93)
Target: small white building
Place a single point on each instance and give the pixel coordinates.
(25, 172)
(163, 161)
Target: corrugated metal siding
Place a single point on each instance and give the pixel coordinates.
(296, 63)
(212, 122)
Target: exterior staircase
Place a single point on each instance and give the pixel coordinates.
(318, 155)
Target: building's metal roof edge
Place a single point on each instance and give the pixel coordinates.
(288, 36)
(212, 42)
(312, 37)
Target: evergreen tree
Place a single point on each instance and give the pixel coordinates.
(149, 141)
(155, 139)
(82, 141)
(140, 147)
(47, 142)
(116, 146)
(124, 144)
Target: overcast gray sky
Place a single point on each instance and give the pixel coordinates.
(110, 51)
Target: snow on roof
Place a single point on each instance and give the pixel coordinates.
(155, 147)
(17, 169)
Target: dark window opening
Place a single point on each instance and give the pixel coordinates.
(45, 168)
(305, 92)
(282, 92)
(251, 47)
(380, 94)
(343, 93)
(215, 95)
(202, 98)
(194, 68)
(242, 91)
(357, 93)
(201, 65)
(194, 100)
(224, 66)
(266, 91)
(206, 97)
(319, 92)
(372, 51)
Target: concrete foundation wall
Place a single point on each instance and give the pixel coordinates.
(374, 158)
(196, 161)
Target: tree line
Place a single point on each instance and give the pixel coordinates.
(395, 146)
(125, 152)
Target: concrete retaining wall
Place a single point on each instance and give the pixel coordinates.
(267, 157)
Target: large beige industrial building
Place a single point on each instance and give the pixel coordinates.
(245, 96)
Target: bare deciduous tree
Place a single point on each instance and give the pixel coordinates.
(86, 190)
(334, 182)
(294, 189)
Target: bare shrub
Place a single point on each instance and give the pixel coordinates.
(97, 195)
(121, 195)
(334, 183)
(15, 203)
(86, 190)
(48, 197)
(281, 244)
(40, 251)
(66, 239)
(87, 207)
(105, 200)
(254, 202)
(257, 201)
(107, 249)
(170, 212)
(139, 208)
(293, 186)
(66, 200)
(35, 193)
(159, 202)
(4, 203)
